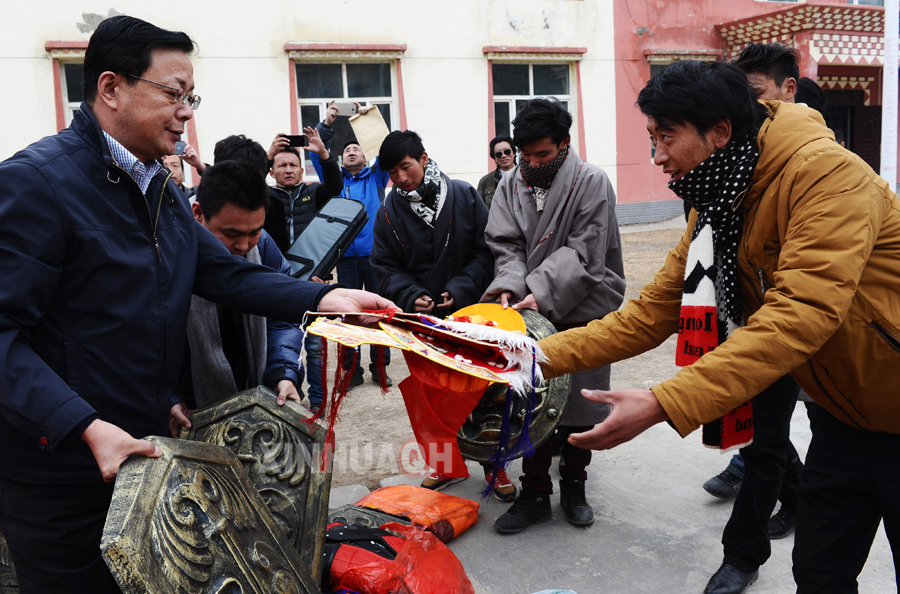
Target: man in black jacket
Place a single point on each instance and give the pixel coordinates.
(429, 249)
(100, 254)
(301, 201)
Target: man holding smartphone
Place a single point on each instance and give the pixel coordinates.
(363, 184)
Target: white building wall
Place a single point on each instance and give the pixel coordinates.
(241, 68)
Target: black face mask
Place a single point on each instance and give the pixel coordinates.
(542, 175)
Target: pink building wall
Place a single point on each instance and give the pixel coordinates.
(649, 27)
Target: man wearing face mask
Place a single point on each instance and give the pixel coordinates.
(553, 232)
(503, 154)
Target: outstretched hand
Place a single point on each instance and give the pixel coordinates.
(632, 412)
(316, 144)
(354, 300)
(112, 445)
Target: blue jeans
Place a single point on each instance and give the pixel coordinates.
(313, 370)
(355, 273)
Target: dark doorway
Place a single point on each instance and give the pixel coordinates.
(861, 124)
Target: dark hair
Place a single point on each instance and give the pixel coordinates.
(809, 92)
(232, 182)
(541, 118)
(348, 143)
(125, 44)
(702, 94)
(776, 60)
(497, 140)
(839, 135)
(291, 150)
(397, 146)
(238, 147)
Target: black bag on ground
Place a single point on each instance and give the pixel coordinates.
(332, 230)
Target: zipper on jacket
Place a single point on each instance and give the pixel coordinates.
(149, 212)
(889, 338)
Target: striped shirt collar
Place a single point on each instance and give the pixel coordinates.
(141, 173)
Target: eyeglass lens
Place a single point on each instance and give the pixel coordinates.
(499, 154)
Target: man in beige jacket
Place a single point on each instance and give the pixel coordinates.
(817, 272)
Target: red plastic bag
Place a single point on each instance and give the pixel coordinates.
(424, 565)
(447, 516)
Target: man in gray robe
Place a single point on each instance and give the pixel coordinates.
(555, 238)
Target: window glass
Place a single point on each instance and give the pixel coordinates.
(510, 79)
(309, 116)
(551, 79)
(319, 80)
(74, 76)
(501, 119)
(385, 109)
(369, 80)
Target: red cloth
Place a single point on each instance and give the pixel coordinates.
(438, 400)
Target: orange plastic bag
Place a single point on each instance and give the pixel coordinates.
(447, 516)
(423, 565)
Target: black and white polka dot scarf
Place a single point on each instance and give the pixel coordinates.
(710, 307)
(713, 187)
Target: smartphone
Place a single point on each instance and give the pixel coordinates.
(297, 140)
(346, 109)
(179, 147)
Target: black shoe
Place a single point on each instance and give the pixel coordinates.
(357, 380)
(573, 502)
(728, 579)
(724, 485)
(530, 508)
(781, 524)
(376, 377)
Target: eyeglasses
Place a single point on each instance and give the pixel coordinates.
(499, 154)
(181, 96)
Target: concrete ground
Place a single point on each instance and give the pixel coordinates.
(655, 529)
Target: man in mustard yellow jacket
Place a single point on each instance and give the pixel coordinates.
(810, 261)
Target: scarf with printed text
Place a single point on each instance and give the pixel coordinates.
(426, 200)
(710, 308)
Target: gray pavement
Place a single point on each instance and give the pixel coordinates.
(655, 528)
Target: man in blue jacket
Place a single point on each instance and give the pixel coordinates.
(363, 184)
(228, 351)
(99, 255)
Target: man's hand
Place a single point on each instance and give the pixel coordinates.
(287, 391)
(353, 300)
(424, 304)
(363, 110)
(632, 413)
(316, 279)
(330, 114)
(527, 303)
(315, 143)
(192, 158)
(505, 296)
(448, 299)
(178, 418)
(280, 143)
(111, 446)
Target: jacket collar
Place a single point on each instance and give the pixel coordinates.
(85, 124)
(364, 172)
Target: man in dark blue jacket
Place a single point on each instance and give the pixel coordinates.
(99, 255)
(228, 351)
(363, 184)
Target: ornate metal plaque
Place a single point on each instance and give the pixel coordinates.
(190, 522)
(9, 583)
(479, 436)
(281, 453)
(366, 517)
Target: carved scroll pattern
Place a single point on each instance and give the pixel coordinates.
(208, 539)
(276, 460)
